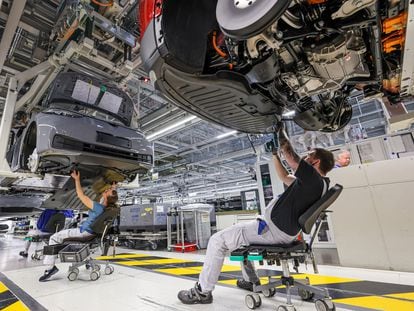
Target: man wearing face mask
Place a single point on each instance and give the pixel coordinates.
(280, 223)
(108, 200)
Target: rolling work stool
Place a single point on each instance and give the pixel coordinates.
(77, 250)
(298, 251)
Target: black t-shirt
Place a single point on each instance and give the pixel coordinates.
(297, 198)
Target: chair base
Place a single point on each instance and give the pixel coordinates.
(90, 264)
(306, 291)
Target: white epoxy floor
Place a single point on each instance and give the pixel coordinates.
(135, 289)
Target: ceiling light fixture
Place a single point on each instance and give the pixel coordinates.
(290, 113)
(170, 127)
(226, 134)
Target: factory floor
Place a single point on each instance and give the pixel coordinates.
(149, 280)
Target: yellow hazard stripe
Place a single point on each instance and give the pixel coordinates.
(314, 279)
(194, 270)
(408, 296)
(124, 256)
(166, 261)
(17, 306)
(378, 303)
(3, 288)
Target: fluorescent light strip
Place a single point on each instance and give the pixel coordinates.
(290, 113)
(170, 127)
(226, 134)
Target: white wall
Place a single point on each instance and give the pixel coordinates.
(373, 218)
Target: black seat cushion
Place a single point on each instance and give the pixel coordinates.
(75, 240)
(296, 246)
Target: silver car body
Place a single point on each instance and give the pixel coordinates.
(84, 123)
(82, 139)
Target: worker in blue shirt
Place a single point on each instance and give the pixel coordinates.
(108, 200)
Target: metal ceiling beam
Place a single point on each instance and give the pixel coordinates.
(10, 29)
(147, 122)
(22, 25)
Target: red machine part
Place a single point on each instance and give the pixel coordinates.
(148, 9)
(312, 2)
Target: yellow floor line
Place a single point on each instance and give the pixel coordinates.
(17, 306)
(124, 256)
(194, 270)
(378, 303)
(314, 279)
(3, 288)
(317, 279)
(166, 261)
(373, 302)
(408, 296)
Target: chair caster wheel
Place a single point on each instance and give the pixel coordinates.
(305, 294)
(109, 270)
(253, 301)
(286, 308)
(72, 275)
(153, 246)
(94, 275)
(325, 305)
(74, 269)
(269, 292)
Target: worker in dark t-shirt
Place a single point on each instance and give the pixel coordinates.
(279, 224)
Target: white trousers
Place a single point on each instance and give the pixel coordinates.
(58, 238)
(230, 239)
(30, 234)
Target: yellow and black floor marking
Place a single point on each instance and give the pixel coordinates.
(13, 298)
(347, 292)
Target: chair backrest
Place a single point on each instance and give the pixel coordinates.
(104, 220)
(55, 223)
(308, 219)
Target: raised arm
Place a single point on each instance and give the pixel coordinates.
(290, 155)
(79, 191)
(281, 171)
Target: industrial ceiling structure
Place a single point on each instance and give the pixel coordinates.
(194, 159)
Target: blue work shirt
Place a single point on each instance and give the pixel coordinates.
(93, 213)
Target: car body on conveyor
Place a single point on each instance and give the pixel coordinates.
(84, 122)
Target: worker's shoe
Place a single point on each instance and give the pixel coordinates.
(48, 273)
(23, 254)
(194, 296)
(243, 284)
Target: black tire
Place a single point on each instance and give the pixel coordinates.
(94, 275)
(269, 292)
(305, 294)
(250, 301)
(109, 270)
(72, 276)
(322, 305)
(258, 300)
